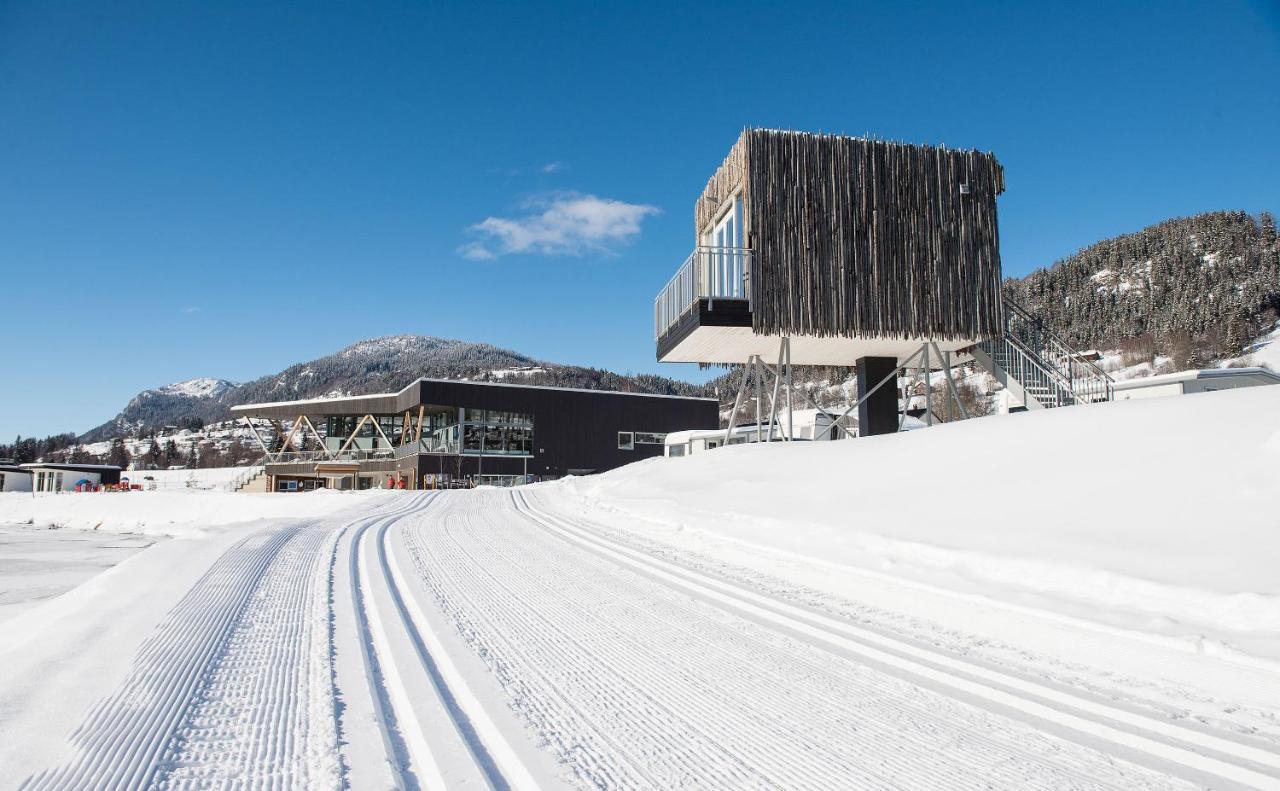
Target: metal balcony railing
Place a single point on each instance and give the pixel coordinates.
(709, 272)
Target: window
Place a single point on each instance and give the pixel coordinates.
(1, 481)
(626, 440)
(726, 260)
(675, 450)
(650, 438)
(498, 433)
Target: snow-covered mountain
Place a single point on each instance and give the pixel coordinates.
(369, 366)
(200, 387)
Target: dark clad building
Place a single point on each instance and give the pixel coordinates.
(441, 432)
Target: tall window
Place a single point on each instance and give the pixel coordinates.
(626, 440)
(727, 261)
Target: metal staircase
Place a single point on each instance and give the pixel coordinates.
(1038, 367)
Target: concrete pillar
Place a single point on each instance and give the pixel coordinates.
(879, 413)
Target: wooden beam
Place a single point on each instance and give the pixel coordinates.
(378, 429)
(254, 430)
(354, 432)
(288, 440)
(319, 439)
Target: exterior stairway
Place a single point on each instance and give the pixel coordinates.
(1039, 368)
(253, 479)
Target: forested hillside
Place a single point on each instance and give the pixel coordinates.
(1196, 288)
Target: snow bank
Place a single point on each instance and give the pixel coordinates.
(1157, 515)
(171, 513)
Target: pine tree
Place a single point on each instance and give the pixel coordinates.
(119, 454)
(154, 455)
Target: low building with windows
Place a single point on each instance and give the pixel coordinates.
(438, 432)
(49, 477)
(1203, 381)
(14, 479)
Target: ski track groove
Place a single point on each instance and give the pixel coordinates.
(126, 738)
(751, 689)
(496, 618)
(1184, 737)
(396, 751)
(234, 686)
(639, 672)
(633, 669)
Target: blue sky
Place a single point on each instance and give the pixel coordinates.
(212, 189)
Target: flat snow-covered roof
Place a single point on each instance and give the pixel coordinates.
(1187, 376)
(58, 466)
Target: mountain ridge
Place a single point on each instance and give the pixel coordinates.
(384, 364)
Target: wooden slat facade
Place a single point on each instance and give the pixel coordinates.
(864, 238)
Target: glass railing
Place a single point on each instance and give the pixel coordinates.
(710, 273)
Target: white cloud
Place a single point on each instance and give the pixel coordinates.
(559, 224)
(553, 167)
(191, 309)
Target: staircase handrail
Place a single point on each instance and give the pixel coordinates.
(249, 473)
(1065, 348)
(1080, 379)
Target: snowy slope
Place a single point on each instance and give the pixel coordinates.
(1156, 516)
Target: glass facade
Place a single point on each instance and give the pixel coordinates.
(339, 427)
(497, 432)
(470, 431)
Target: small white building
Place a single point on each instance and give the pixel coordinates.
(810, 424)
(1185, 382)
(50, 477)
(14, 479)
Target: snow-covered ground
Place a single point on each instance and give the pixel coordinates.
(1079, 598)
(37, 563)
(165, 513)
(1159, 517)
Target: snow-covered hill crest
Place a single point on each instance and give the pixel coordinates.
(374, 365)
(200, 387)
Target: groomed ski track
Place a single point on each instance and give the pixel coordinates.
(493, 639)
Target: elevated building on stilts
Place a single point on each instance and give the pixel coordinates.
(814, 249)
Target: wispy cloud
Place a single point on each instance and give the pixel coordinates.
(191, 309)
(553, 167)
(566, 223)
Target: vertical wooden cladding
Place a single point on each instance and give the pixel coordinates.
(723, 183)
(863, 238)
